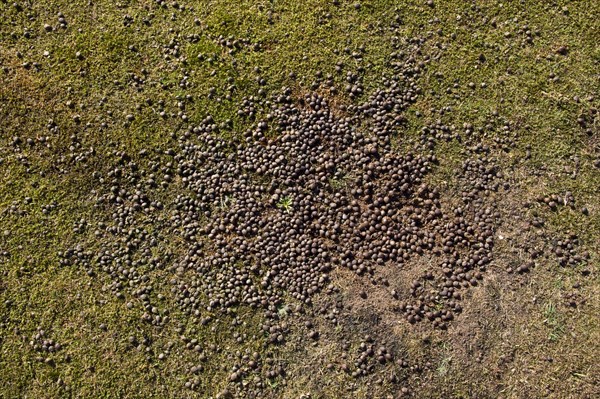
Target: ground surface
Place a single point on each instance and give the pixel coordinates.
(107, 295)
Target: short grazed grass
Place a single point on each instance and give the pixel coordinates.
(552, 320)
(535, 343)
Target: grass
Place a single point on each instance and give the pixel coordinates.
(552, 320)
(484, 43)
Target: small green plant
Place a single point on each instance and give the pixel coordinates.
(283, 311)
(273, 384)
(442, 369)
(285, 203)
(225, 202)
(340, 181)
(337, 183)
(552, 320)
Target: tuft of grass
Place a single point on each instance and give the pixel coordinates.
(444, 366)
(553, 321)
